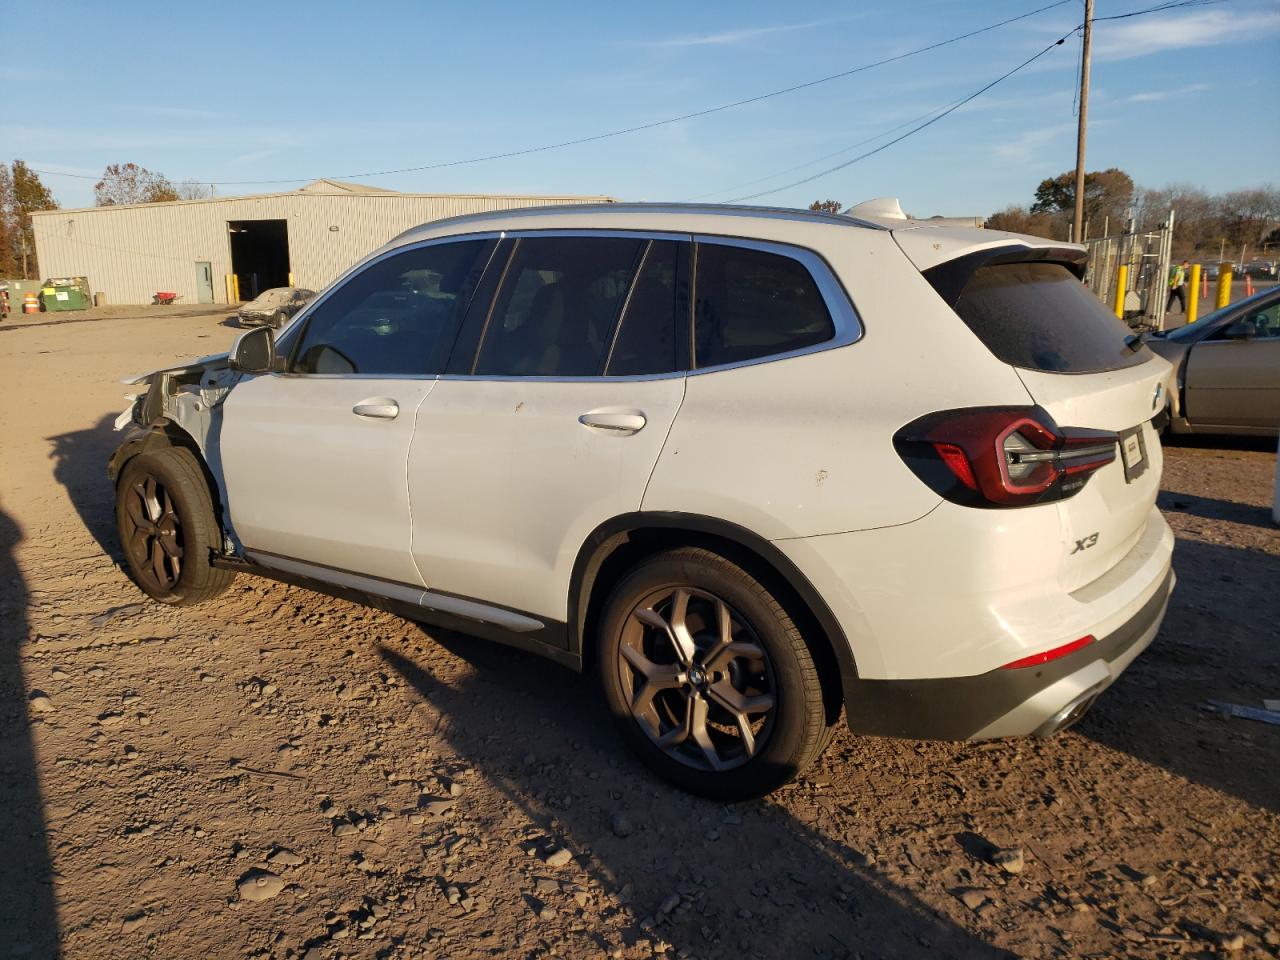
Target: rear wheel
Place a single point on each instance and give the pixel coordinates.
(708, 677)
(165, 519)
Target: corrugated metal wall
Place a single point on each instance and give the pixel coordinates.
(130, 253)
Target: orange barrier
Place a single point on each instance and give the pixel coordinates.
(1248, 285)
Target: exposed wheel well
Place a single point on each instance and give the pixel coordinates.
(617, 553)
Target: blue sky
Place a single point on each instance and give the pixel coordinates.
(256, 91)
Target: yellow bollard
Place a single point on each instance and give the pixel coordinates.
(1122, 287)
(1193, 294)
(226, 282)
(235, 286)
(291, 283)
(1224, 286)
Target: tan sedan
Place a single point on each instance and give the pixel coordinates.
(1226, 369)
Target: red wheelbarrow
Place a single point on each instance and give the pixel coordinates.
(163, 298)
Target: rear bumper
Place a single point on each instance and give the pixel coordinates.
(1005, 703)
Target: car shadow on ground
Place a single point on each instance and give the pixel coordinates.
(1212, 508)
(80, 465)
(1216, 643)
(1219, 442)
(758, 881)
(28, 911)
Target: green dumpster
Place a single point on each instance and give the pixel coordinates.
(66, 293)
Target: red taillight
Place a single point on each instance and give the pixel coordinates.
(1036, 659)
(1002, 456)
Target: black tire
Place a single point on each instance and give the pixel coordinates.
(279, 320)
(167, 528)
(785, 738)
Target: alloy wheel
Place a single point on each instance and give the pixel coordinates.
(153, 533)
(697, 679)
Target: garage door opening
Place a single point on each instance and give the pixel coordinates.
(259, 255)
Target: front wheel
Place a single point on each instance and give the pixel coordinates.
(708, 678)
(279, 320)
(165, 518)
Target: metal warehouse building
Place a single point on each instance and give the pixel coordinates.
(208, 250)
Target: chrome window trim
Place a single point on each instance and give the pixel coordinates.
(604, 233)
(844, 316)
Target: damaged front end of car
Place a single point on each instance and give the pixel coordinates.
(181, 406)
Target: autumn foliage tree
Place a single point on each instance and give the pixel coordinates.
(130, 183)
(1205, 225)
(21, 193)
(1108, 195)
(829, 206)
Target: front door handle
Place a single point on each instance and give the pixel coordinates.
(620, 423)
(377, 408)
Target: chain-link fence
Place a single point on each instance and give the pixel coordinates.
(1147, 255)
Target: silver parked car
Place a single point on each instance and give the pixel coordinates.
(274, 307)
(1226, 369)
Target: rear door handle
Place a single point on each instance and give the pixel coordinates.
(377, 408)
(621, 423)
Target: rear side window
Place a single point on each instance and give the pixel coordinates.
(1040, 317)
(753, 303)
(558, 308)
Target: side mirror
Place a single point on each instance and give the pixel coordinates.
(1239, 330)
(254, 351)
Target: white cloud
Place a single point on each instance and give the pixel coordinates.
(1155, 96)
(179, 113)
(730, 37)
(1024, 148)
(1126, 39)
(256, 155)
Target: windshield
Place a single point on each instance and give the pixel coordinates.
(1194, 331)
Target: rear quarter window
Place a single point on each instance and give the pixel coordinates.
(1040, 317)
(752, 304)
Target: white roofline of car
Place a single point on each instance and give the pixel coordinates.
(646, 209)
(926, 243)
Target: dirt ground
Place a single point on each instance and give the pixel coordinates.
(279, 774)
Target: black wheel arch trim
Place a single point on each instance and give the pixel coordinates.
(614, 533)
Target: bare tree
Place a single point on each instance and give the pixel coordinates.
(194, 190)
(829, 206)
(1249, 215)
(1052, 226)
(130, 183)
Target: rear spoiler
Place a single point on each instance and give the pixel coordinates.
(949, 279)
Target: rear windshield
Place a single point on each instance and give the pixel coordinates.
(1040, 317)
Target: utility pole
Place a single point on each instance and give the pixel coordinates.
(1077, 222)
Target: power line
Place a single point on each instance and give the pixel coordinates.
(914, 130)
(1169, 5)
(825, 156)
(637, 128)
(941, 111)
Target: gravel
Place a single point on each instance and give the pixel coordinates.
(869, 854)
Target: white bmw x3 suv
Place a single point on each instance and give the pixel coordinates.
(751, 466)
